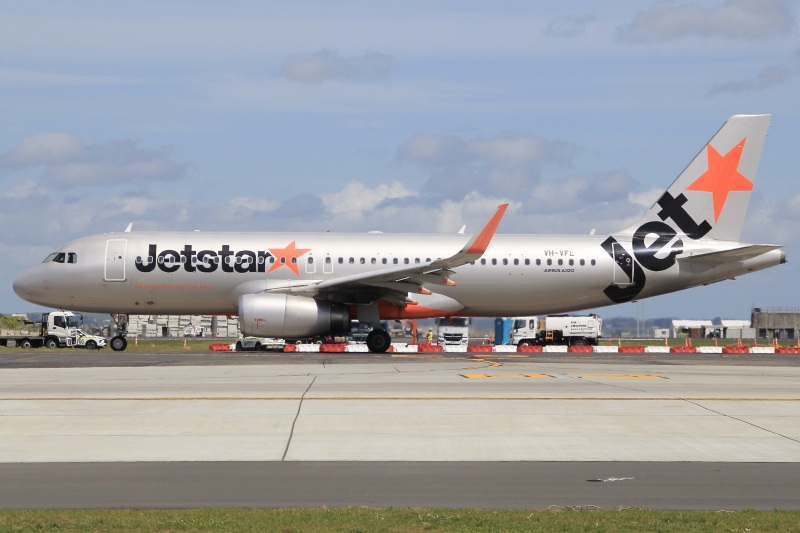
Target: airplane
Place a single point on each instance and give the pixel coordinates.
(300, 285)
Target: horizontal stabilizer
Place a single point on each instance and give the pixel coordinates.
(726, 256)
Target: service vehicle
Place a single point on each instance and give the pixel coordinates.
(453, 331)
(258, 344)
(556, 329)
(59, 329)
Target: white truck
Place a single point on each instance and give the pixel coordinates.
(59, 329)
(452, 331)
(556, 329)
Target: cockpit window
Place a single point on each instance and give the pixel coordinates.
(61, 257)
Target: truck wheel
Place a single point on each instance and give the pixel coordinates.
(119, 343)
(525, 343)
(91, 345)
(51, 343)
(580, 342)
(25, 343)
(258, 347)
(238, 346)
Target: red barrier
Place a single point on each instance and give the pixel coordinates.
(529, 349)
(332, 348)
(289, 348)
(630, 349)
(683, 349)
(735, 349)
(787, 349)
(582, 349)
(480, 348)
(219, 347)
(428, 348)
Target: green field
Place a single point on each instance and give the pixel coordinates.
(398, 520)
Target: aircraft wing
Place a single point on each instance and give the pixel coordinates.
(395, 283)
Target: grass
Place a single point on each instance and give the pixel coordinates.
(352, 520)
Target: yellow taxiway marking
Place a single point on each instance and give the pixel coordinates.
(484, 376)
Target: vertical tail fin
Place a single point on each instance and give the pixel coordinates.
(710, 197)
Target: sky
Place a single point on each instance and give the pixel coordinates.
(413, 116)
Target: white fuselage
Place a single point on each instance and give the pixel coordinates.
(199, 273)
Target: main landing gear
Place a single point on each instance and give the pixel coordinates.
(119, 342)
(378, 341)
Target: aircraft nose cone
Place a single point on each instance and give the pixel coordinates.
(25, 286)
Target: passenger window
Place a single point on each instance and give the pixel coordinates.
(527, 262)
(384, 261)
(416, 260)
(352, 261)
(373, 260)
(593, 262)
(363, 261)
(571, 262)
(483, 261)
(405, 260)
(560, 262)
(327, 260)
(583, 262)
(394, 260)
(505, 261)
(549, 262)
(516, 262)
(494, 261)
(294, 260)
(341, 260)
(310, 260)
(538, 262)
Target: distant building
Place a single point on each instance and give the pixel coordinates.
(776, 323)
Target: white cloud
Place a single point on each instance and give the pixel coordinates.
(44, 149)
(356, 198)
(502, 162)
(68, 160)
(568, 25)
(21, 190)
(327, 65)
(733, 19)
(767, 77)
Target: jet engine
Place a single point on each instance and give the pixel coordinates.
(284, 315)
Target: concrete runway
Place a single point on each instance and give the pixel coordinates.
(395, 431)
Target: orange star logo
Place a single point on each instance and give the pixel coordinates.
(722, 177)
(287, 257)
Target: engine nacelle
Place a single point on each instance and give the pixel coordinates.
(284, 315)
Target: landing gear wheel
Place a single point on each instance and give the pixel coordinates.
(118, 343)
(378, 341)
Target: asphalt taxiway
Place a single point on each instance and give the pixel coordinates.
(280, 430)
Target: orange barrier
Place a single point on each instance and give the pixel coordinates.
(529, 349)
(219, 347)
(582, 349)
(631, 349)
(787, 349)
(735, 349)
(289, 348)
(480, 348)
(428, 348)
(683, 349)
(332, 348)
